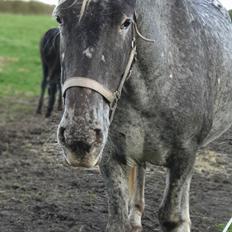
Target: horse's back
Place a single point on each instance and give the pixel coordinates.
(188, 79)
(213, 30)
(217, 36)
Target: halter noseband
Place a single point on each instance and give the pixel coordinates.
(111, 97)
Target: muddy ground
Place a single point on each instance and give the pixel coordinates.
(40, 193)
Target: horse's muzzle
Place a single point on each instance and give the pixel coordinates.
(82, 146)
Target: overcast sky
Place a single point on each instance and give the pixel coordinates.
(226, 3)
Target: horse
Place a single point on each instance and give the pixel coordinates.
(50, 59)
(149, 82)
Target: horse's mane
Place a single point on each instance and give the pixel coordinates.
(84, 6)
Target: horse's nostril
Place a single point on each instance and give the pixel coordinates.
(80, 147)
(99, 135)
(78, 141)
(84, 146)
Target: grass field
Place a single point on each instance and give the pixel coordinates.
(222, 226)
(20, 68)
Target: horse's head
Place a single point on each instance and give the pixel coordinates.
(96, 53)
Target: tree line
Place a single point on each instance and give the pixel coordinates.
(230, 12)
(32, 7)
(20, 7)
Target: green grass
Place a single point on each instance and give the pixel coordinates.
(222, 226)
(20, 67)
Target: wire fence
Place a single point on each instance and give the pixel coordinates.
(228, 225)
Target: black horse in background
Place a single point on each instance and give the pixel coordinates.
(50, 59)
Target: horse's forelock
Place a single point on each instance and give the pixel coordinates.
(83, 3)
(59, 5)
(84, 7)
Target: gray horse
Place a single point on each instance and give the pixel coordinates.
(177, 99)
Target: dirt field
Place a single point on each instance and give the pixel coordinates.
(40, 193)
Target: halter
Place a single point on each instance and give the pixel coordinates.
(111, 97)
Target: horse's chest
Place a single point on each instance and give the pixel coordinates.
(144, 145)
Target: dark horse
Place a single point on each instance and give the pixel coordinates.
(50, 59)
(177, 99)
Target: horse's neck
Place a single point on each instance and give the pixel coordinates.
(147, 6)
(158, 20)
(167, 22)
(162, 15)
(151, 8)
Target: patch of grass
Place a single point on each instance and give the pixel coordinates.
(222, 226)
(20, 67)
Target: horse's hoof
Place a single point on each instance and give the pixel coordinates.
(135, 221)
(136, 229)
(47, 115)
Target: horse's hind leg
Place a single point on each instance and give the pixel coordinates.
(136, 192)
(174, 210)
(52, 88)
(43, 88)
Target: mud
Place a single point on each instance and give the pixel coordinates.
(39, 192)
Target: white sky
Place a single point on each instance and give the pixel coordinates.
(226, 3)
(51, 2)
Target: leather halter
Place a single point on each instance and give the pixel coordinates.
(111, 97)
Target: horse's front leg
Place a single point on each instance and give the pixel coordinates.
(136, 192)
(115, 175)
(174, 211)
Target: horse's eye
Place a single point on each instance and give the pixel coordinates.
(126, 24)
(59, 19)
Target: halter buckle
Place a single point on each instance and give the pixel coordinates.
(114, 103)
